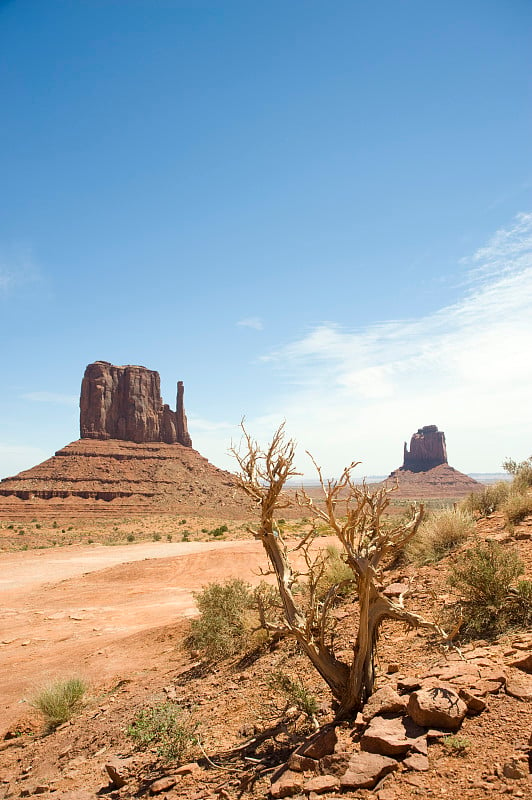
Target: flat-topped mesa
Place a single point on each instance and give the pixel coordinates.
(427, 450)
(125, 403)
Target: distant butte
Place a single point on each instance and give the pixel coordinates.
(134, 454)
(425, 471)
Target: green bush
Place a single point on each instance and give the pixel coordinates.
(488, 500)
(58, 701)
(224, 625)
(295, 692)
(484, 578)
(168, 727)
(522, 474)
(442, 532)
(517, 507)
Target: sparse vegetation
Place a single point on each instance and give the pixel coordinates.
(438, 535)
(58, 701)
(295, 693)
(485, 578)
(224, 626)
(337, 574)
(167, 727)
(521, 472)
(486, 501)
(517, 507)
(456, 745)
(355, 515)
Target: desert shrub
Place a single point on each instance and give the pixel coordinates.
(295, 692)
(520, 604)
(168, 727)
(521, 472)
(156, 537)
(336, 573)
(456, 745)
(130, 537)
(484, 578)
(517, 507)
(442, 532)
(223, 627)
(488, 500)
(59, 700)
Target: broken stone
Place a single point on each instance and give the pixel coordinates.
(383, 701)
(115, 770)
(289, 784)
(524, 664)
(319, 745)
(417, 762)
(520, 687)
(302, 764)
(390, 737)
(407, 685)
(163, 784)
(441, 708)
(322, 784)
(335, 764)
(475, 704)
(365, 770)
(188, 769)
(514, 770)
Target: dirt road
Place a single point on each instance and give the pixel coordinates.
(88, 609)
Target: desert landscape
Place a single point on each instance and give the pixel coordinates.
(109, 551)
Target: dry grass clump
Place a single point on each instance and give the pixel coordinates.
(488, 500)
(58, 701)
(441, 533)
(517, 507)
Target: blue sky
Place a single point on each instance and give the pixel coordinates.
(311, 211)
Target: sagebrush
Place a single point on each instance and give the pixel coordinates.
(167, 727)
(486, 580)
(224, 625)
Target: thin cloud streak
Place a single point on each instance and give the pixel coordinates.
(251, 322)
(51, 397)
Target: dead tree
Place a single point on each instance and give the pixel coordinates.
(355, 515)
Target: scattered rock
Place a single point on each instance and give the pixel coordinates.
(383, 701)
(289, 784)
(407, 685)
(441, 708)
(322, 784)
(188, 769)
(163, 784)
(319, 745)
(475, 704)
(302, 763)
(365, 770)
(524, 664)
(514, 770)
(417, 762)
(390, 736)
(116, 773)
(520, 687)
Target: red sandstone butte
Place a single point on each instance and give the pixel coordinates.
(427, 450)
(125, 403)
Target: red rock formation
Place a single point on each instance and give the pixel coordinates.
(125, 403)
(427, 450)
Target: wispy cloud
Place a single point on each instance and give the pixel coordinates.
(51, 397)
(17, 268)
(467, 368)
(251, 322)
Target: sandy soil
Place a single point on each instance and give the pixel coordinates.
(76, 607)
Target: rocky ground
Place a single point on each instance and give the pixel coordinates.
(443, 723)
